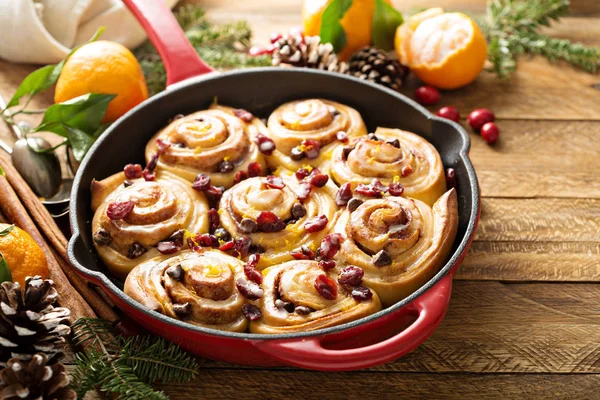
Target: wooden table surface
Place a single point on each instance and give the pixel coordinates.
(524, 320)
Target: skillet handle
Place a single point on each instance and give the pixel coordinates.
(180, 59)
(311, 353)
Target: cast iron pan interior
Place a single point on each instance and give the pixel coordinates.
(260, 91)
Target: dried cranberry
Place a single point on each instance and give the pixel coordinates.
(248, 225)
(253, 260)
(167, 247)
(343, 195)
(207, 240)
(316, 224)
(240, 176)
(162, 146)
(177, 237)
(254, 169)
(396, 189)
(242, 245)
(326, 265)
(265, 144)
(213, 218)
(303, 191)
(450, 178)
(192, 244)
(133, 171)
(304, 253)
(478, 118)
(119, 210)
(330, 245)
(342, 136)
(149, 175)
(225, 167)
(249, 290)
(215, 191)
(319, 180)
(374, 189)
(244, 115)
(251, 312)
(253, 274)
(312, 148)
(326, 287)
(269, 222)
(406, 171)
(201, 183)
(490, 132)
(227, 246)
(274, 182)
(152, 163)
(302, 173)
(351, 276)
(362, 293)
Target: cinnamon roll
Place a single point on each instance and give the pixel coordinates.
(304, 131)
(279, 214)
(391, 155)
(214, 142)
(400, 243)
(300, 296)
(133, 215)
(196, 287)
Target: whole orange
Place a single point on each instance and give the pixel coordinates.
(103, 67)
(22, 254)
(357, 23)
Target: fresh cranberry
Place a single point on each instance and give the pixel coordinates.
(275, 36)
(167, 247)
(362, 293)
(227, 245)
(490, 132)
(149, 176)
(207, 240)
(330, 246)
(133, 171)
(303, 192)
(274, 182)
(343, 195)
(249, 290)
(244, 115)
(351, 276)
(240, 176)
(342, 136)
(427, 95)
(251, 312)
(316, 224)
(326, 287)
(450, 113)
(265, 144)
(312, 148)
(201, 183)
(119, 210)
(254, 169)
(304, 253)
(319, 180)
(302, 173)
(478, 118)
(269, 222)
(396, 189)
(450, 178)
(326, 265)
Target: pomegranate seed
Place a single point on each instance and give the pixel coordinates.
(274, 182)
(351, 276)
(326, 287)
(362, 293)
(251, 312)
(253, 274)
(450, 178)
(326, 265)
(213, 218)
(490, 132)
(313, 147)
(427, 95)
(343, 195)
(227, 246)
(450, 113)
(133, 171)
(269, 222)
(240, 176)
(119, 210)
(275, 36)
(242, 245)
(265, 145)
(302, 173)
(249, 290)
(167, 248)
(316, 224)
(330, 246)
(207, 240)
(342, 136)
(254, 169)
(396, 189)
(304, 253)
(201, 183)
(149, 176)
(215, 191)
(244, 115)
(303, 191)
(319, 180)
(478, 118)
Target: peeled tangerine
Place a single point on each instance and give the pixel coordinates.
(446, 50)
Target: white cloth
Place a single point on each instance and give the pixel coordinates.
(44, 31)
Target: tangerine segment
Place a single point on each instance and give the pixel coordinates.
(23, 255)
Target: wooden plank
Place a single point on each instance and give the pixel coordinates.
(532, 261)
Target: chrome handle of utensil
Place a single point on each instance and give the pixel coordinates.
(16, 130)
(5, 147)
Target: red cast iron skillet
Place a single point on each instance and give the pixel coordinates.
(372, 340)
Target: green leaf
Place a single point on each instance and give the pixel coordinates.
(331, 29)
(84, 113)
(5, 275)
(7, 230)
(385, 21)
(2, 173)
(80, 141)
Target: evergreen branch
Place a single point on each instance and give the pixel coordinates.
(95, 333)
(586, 58)
(119, 378)
(85, 376)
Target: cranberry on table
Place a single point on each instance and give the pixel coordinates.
(450, 113)
(427, 95)
(478, 118)
(490, 132)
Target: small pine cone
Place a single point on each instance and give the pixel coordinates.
(308, 51)
(374, 65)
(290, 50)
(29, 322)
(35, 380)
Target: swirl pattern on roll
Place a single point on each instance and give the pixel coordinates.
(159, 208)
(195, 287)
(318, 120)
(242, 206)
(392, 155)
(213, 142)
(293, 304)
(400, 243)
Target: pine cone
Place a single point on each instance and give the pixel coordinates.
(29, 322)
(35, 380)
(308, 51)
(374, 65)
